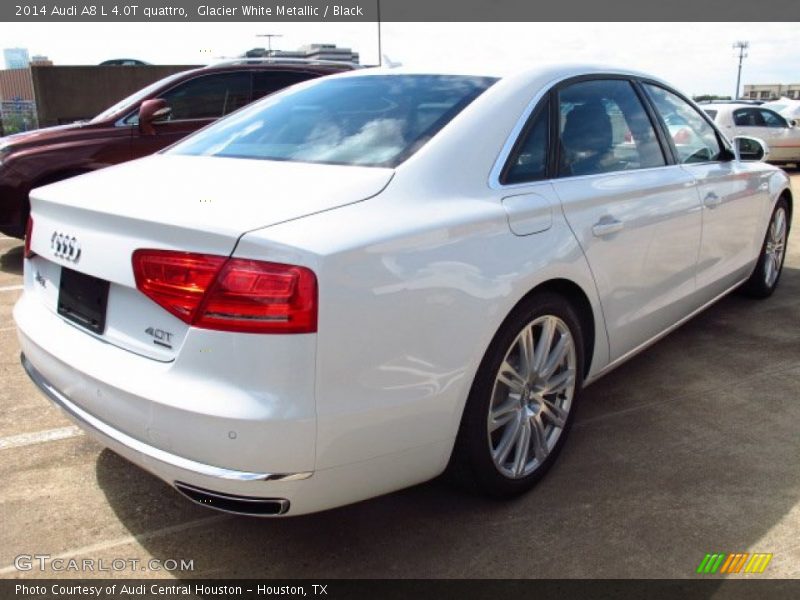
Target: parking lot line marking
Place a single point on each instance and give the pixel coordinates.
(129, 539)
(38, 437)
(11, 288)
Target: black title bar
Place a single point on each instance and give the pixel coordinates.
(399, 10)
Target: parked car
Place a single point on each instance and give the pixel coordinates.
(788, 108)
(782, 138)
(123, 62)
(144, 122)
(360, 282)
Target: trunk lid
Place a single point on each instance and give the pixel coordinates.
(93, 223)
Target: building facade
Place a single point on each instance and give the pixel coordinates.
(309, 52)
(771, 91)
(16, 58)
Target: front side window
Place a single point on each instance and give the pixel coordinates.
(372, 120)
(209, 96)
(605, 128)
(695, 140)
(772, 119)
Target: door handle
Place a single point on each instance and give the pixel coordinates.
(712, 200)
(607, 226)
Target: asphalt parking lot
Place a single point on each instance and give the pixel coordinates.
(691, 448)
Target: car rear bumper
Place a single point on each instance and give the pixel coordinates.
(147, 453)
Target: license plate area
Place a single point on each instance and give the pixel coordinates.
(83, 299)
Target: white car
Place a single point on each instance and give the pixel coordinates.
(788, 108)
(782, 138)
(353, 285)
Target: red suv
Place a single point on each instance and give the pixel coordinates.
(143, 123)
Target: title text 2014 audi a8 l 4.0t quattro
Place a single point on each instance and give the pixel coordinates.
(360, 282)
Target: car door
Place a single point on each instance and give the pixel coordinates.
(732, 194)
(783, 139)
(636, 217)
(194, 104)
(767, 125)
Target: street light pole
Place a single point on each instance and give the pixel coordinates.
(269, 37)
(742, 46)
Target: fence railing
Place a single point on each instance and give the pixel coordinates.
(17, 116)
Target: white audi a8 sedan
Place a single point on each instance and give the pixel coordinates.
(362, 282)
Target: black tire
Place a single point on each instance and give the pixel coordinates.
(760, 284)
(473, 463)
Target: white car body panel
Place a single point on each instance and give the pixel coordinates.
(417, 268)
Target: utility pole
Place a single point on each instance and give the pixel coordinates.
(742, 46)
(269, 37)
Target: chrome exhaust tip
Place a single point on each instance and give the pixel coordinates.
(230, 503)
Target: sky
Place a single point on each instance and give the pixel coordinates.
(698, 58)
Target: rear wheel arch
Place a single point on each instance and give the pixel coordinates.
(570, 306)
(579, 301)
(787, 195)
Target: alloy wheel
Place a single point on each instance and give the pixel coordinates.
(775, 247)
(531, 398)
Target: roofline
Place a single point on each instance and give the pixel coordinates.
(287, 61)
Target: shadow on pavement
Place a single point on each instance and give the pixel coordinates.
(11, 260)
(692, 447)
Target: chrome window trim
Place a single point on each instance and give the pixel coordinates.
(511, 140)
(508, 147)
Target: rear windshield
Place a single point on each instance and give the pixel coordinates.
(377, 120)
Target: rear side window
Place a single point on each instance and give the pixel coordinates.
(209, 96)
(748, 117)
(372, 120)
(711, 113)
(695, 140)
(772, 119)
(528, 162)
(604, 128)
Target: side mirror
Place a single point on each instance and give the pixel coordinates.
(151, 111)
(749, 148)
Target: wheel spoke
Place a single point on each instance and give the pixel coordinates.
(555, 414)
(560, 382)
(507, 442)
(503, 414)
(510, 377)
(556, 357)
(542, 350)
(526, 356)
(539, 439)
(780, 225)
(522, 448)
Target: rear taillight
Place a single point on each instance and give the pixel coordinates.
(28, 234)
(229, 294)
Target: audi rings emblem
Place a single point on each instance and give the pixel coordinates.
(65, 246)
